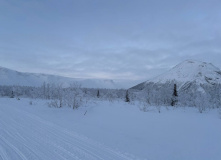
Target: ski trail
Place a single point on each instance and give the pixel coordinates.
(23, 157)
(83, 142)
(3, 154)
(32, 143)
(31, 137)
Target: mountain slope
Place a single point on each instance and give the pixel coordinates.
(11, 77)
(198, 84)
(187, 72)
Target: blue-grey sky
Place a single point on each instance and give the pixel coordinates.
(111, 39)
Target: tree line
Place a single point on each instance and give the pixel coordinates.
(191, 94)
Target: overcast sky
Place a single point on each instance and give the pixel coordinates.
(111, 39)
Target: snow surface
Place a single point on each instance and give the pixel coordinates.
(189, 71)
(107, 131)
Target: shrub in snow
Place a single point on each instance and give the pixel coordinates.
(158, 108)
(143, 106)
(54, 103)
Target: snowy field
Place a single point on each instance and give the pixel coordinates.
(107, 131)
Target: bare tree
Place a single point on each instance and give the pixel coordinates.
(74, 97)
(201, 101)
(57, 95)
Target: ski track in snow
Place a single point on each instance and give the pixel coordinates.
(25, 136)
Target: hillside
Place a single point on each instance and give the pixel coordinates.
(12, 77)
(188, 71)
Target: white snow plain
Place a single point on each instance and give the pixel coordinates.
(108, 131)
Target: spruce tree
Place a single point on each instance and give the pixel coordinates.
(12, 95)
(175, 91)
(127, 99)
(98, 94)
(175, 95)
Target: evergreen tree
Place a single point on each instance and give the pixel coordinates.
(98, 94)
(44, 90)
(12, 95)
(175, 95)
(127, 99)
(175, 91)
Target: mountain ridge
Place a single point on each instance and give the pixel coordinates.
(185, 72)
(13, 77)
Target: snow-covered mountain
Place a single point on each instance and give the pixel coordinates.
(197, 84)
(188, 71)
(12, 77)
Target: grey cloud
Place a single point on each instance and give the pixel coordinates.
(119, 39)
